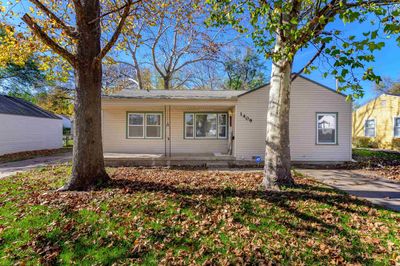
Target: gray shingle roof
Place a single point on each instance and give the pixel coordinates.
(16, 106)
(176, 94)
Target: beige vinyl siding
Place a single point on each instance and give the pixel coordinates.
(114, 126)
(307, 98)
(25, 133)
(250, 136)
(114, 132)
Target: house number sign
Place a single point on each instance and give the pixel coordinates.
(246, 117)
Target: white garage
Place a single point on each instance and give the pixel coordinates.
(26, 127)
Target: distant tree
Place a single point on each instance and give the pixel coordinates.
(172, 39)
(22, 81)
(117, 77)
(388, 85)
(19, 77)
(58, 100)
(244, 71)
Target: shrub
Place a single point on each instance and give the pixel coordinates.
(396, 144)
(364, 142)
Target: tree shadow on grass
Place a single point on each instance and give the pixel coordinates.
(301, 192)
(281, 199)
(186, 195)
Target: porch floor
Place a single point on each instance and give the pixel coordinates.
(178, 156)
(181, 159)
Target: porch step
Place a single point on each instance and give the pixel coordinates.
(216, 165)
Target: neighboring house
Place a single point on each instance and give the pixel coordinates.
(26, 127)
(176, 122)
(379, 120)
(66, 121)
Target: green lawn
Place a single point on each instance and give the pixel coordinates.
(368, 154)
(161, 216)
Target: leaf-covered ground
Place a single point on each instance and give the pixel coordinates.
(377, 163)
(162, 216)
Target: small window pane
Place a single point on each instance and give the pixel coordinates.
(206, 125)
(397, 132)
(370, 128)
(370, 123)
(189, 131)
(153, 131)
(189, 119)
(222, 132)
(222, 119)
(136, 119)
(153, 119)
(397, 122)
(397, 127)
(135, 131)
(326, 135)
(326, 128)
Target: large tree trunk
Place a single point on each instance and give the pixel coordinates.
(166, 82)
(88, 162)
(277, 152)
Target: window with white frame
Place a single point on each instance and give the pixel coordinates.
(189, 126)
(222, 126)
(396, 127)
(206, 125)
(369, 128)
(326, 128)
(144, 125)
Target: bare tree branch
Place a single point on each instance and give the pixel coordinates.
(114, 10)
(153, 48)
(294, 76)
(37, 30)
(117, 31)
(71, 31)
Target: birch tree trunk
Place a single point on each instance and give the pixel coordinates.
(277, 152)
(88, 162)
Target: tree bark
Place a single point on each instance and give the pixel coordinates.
(277, 152)
(88, 163)
(167, 82)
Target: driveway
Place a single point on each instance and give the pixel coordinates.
(380, 191)
(11, 168)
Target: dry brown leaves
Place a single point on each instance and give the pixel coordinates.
(214, 217)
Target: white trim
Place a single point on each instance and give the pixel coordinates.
(365, 128)
(336, 129)
(144, 125)
(160, 126)
(225, 126)
(129, 125)
(206, 113)
(186, 125)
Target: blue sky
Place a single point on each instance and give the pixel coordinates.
(387, 62)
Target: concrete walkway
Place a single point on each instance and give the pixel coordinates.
(11, 168)
(380, 191)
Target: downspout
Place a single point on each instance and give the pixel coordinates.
(230, 132)
(169, 129)
(165, 130)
